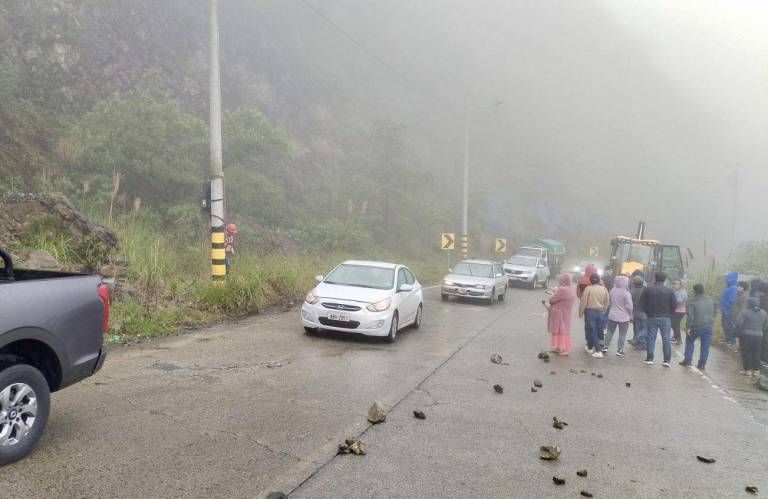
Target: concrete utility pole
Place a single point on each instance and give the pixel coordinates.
(465, 207)
(218, 267)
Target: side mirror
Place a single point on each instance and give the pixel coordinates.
(541, 265)
(405, 288)
(319, 278)
(499, 275)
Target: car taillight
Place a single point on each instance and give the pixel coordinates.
(104, 295)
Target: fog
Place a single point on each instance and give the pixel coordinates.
(584, 117)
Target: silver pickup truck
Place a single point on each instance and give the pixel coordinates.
(51, 335)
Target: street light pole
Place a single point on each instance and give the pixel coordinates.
(218, 267)
(465, 205)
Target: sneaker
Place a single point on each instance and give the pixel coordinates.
(755, 373)
(588, 350)
(598, 355)
(648, 362)
(684, 363)
(605, 350)
(701, 367)
(665, 364)
(620, 353)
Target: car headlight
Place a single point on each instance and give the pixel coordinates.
(577, 269)
(482, 286)
(311, 298)
(379, 306)
(447, 282)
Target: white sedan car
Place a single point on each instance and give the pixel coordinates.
(370, 298)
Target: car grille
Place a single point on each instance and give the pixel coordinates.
(341, 306)
(346, 325)
(513, 272)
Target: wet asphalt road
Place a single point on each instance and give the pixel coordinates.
(240, 410)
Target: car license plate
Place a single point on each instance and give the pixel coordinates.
(462, 291)
(338, 316)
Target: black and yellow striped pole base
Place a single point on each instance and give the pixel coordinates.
(218, 254)
(464, 245)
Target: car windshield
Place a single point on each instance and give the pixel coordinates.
(529, 252)
(473, 269)
(362, 276)
(521, 261)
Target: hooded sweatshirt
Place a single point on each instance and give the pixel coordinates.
(681, 295)
(638, 285)
(753, 321)
(621, 301)
(584, 281)
(728, 297)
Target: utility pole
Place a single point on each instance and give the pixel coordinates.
(218, 267)
(465, 206)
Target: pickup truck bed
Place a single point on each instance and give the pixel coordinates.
(51, 336)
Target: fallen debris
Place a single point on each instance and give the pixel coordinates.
(496, 358)
(376, 414)
(552, 372)
(593, 374)
(276, 495)
(751, 489)
(498, 388)
(627, 384)
(582, 371)
(599, 375)
(549, 452)
(558, 480)
(573, 371)
(534, 390)
(419, 415)
(556, 423)
(584, 493)
(537, 383)
(707, 460)
(582, 472)
(543, 355)
(274, 364)
(352, 446)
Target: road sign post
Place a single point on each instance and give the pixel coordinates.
(501, 245)
(594, 251)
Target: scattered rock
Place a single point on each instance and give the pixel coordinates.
(42, 260)
(534, 390)
(537, 383)
(419, 415)
(584, 493)
(751, 489)
(274, 364)
(573, 371)
(582, 472)
(498, 388)
(343, 449)
(599, 375)
(549, 452)
(276, 495)
(358, 448)
(552, 372)
(556, 423)
(558, 480)
(707, 460)
(582, 371)
(627, 384)
(376, 413)
(496, 358)
(543, 355)
(593, 374)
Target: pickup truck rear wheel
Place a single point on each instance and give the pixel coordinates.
(25, 403)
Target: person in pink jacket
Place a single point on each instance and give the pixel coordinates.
(620, 313)
(560, 307)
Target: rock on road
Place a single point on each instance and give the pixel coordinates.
(243, 409)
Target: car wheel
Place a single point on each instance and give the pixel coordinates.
(392, 336)
(310, 330)
(25, 403)
(535, 283)
(417, 321)
(503, 296)
(493, 296)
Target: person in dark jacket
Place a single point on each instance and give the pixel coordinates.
(638, 316)
(727, 300)
(701, 315)
(659, 304)
(751, 324)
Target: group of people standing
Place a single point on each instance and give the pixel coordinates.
(609, 303)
